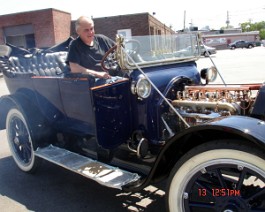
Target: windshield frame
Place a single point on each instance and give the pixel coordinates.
(169, 51)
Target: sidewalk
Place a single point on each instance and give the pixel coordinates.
(3, 88)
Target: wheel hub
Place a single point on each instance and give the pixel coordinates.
(21, 140)
(16, 141)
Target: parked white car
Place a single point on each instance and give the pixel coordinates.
(203, 49)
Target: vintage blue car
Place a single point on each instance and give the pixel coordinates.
(160, 119)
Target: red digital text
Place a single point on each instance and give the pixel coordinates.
(218, 192)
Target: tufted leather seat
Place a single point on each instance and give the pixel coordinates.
(39, 64)
(49, 64)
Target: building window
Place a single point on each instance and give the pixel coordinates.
(127, 33)
(25, 41)
(152, 30)
(21, 35)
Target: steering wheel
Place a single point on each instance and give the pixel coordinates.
(109, 61)
(132, 46)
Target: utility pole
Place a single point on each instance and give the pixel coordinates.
(184, 24)
(227, 20)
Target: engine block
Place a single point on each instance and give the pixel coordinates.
(198, 104)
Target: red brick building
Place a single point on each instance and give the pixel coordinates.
(131, 25)
(40, 28)
(44, 28)
(47, 27)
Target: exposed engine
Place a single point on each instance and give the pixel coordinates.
(198, 104)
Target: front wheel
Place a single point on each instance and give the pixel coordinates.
(20, 141)
(205, 54)
(222, 176)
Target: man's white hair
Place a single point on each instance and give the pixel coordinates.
(81, 19)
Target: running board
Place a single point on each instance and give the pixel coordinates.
(102, 173)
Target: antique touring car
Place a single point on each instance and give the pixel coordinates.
(160, 119)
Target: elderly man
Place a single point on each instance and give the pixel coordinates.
(88, 49)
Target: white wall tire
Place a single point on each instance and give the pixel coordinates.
(20, 141)
(189, 173)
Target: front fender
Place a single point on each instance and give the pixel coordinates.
(249, 130)
(237, 127)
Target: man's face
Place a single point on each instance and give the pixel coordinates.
(86, 31)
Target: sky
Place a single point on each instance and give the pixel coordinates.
(173, 13)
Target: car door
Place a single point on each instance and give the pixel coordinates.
(48, 97)
(241, 44)
(112, 113)
(77, 104)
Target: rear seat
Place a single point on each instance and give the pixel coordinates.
(48, 64)
(38, 64)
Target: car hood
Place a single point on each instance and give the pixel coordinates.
(161, 76)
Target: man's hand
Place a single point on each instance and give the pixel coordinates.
(103, 75)
(76, 68)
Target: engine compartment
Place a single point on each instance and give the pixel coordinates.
(198, 104)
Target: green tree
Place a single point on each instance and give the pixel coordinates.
(262, 34)
(261, 25)
(258, 26)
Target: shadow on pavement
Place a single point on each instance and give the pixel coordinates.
(53, 188)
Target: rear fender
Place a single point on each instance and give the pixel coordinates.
(6, 102)
(38, 125)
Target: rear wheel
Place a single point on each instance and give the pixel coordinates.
(224, 176)
(250, 46)
(20, 141)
